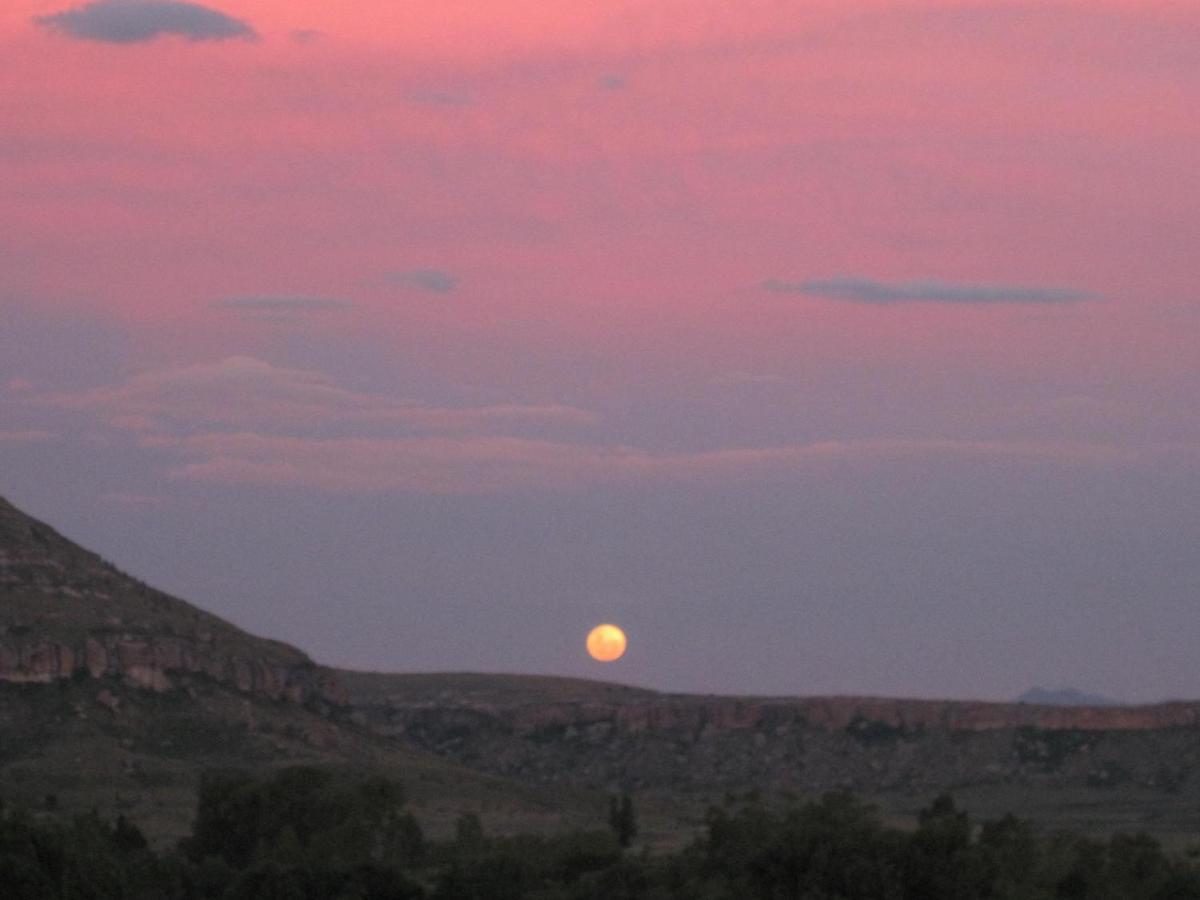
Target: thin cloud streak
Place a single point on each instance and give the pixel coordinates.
(483, 465)
(244, 392)
(866, 290)
(443, 99)
(281, 304)
(434, 281)
(135, 500)
(737, 379)
(24, 436)
(140, 21)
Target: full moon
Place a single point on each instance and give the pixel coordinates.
(606, 643)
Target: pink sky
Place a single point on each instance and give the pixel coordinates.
(468, 248)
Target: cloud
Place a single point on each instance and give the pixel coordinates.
(243, 392)
(24, 436)
(280, 304)
(434, 281)
(241, 420)
(865, 290)
(440, 98)
(483, 464)
(138, 21)
(134, 500)
(737, 379)
(612, 82)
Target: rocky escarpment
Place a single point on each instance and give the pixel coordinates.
(161, 664)
(698, 714)
(65, 612)
(806, 744)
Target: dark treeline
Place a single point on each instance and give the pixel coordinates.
(311, 834)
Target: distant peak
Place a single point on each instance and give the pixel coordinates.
(1066, 696)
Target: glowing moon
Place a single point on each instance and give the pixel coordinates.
(606, 643)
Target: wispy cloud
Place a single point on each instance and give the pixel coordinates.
(434, 281)
(244, 392)
(866, 290)
(282, 304)
(24, 436)
(481, 464)
(242, 420)
(440, 98)
(138, 21)
(736, 379)
(135, 500)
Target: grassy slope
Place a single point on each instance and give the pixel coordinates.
(144, 759)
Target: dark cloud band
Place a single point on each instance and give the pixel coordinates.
(434, 281)
(138, 21)
(865, 290)
(282, 304)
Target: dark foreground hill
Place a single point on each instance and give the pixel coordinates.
(116, 695)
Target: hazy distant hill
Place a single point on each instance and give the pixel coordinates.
(115, 695)
(1040, 696)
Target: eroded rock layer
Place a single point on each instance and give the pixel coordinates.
(65, 613)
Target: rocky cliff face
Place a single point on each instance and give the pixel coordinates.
(66, 613)
(160, 664)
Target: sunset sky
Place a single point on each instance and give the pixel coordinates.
(826, 347)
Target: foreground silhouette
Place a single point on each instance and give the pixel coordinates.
(306, 832)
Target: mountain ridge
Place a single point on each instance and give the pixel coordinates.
(1065, 696)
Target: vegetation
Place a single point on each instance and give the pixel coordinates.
(308, 832)
(622, 819)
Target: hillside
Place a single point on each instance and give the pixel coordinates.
(1092, 768)
(115, 695)
(65, 610)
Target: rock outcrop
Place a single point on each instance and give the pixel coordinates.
(160, 664)
(66, 613)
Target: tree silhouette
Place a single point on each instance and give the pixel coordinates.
(622, 819)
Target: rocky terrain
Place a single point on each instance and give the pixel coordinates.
(635, 739)
(66, 611)
(115, 695)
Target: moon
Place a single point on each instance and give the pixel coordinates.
(606, 643)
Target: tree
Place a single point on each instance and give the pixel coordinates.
(941, 863)
(622, 819)
(468, 833)
(326, 818)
